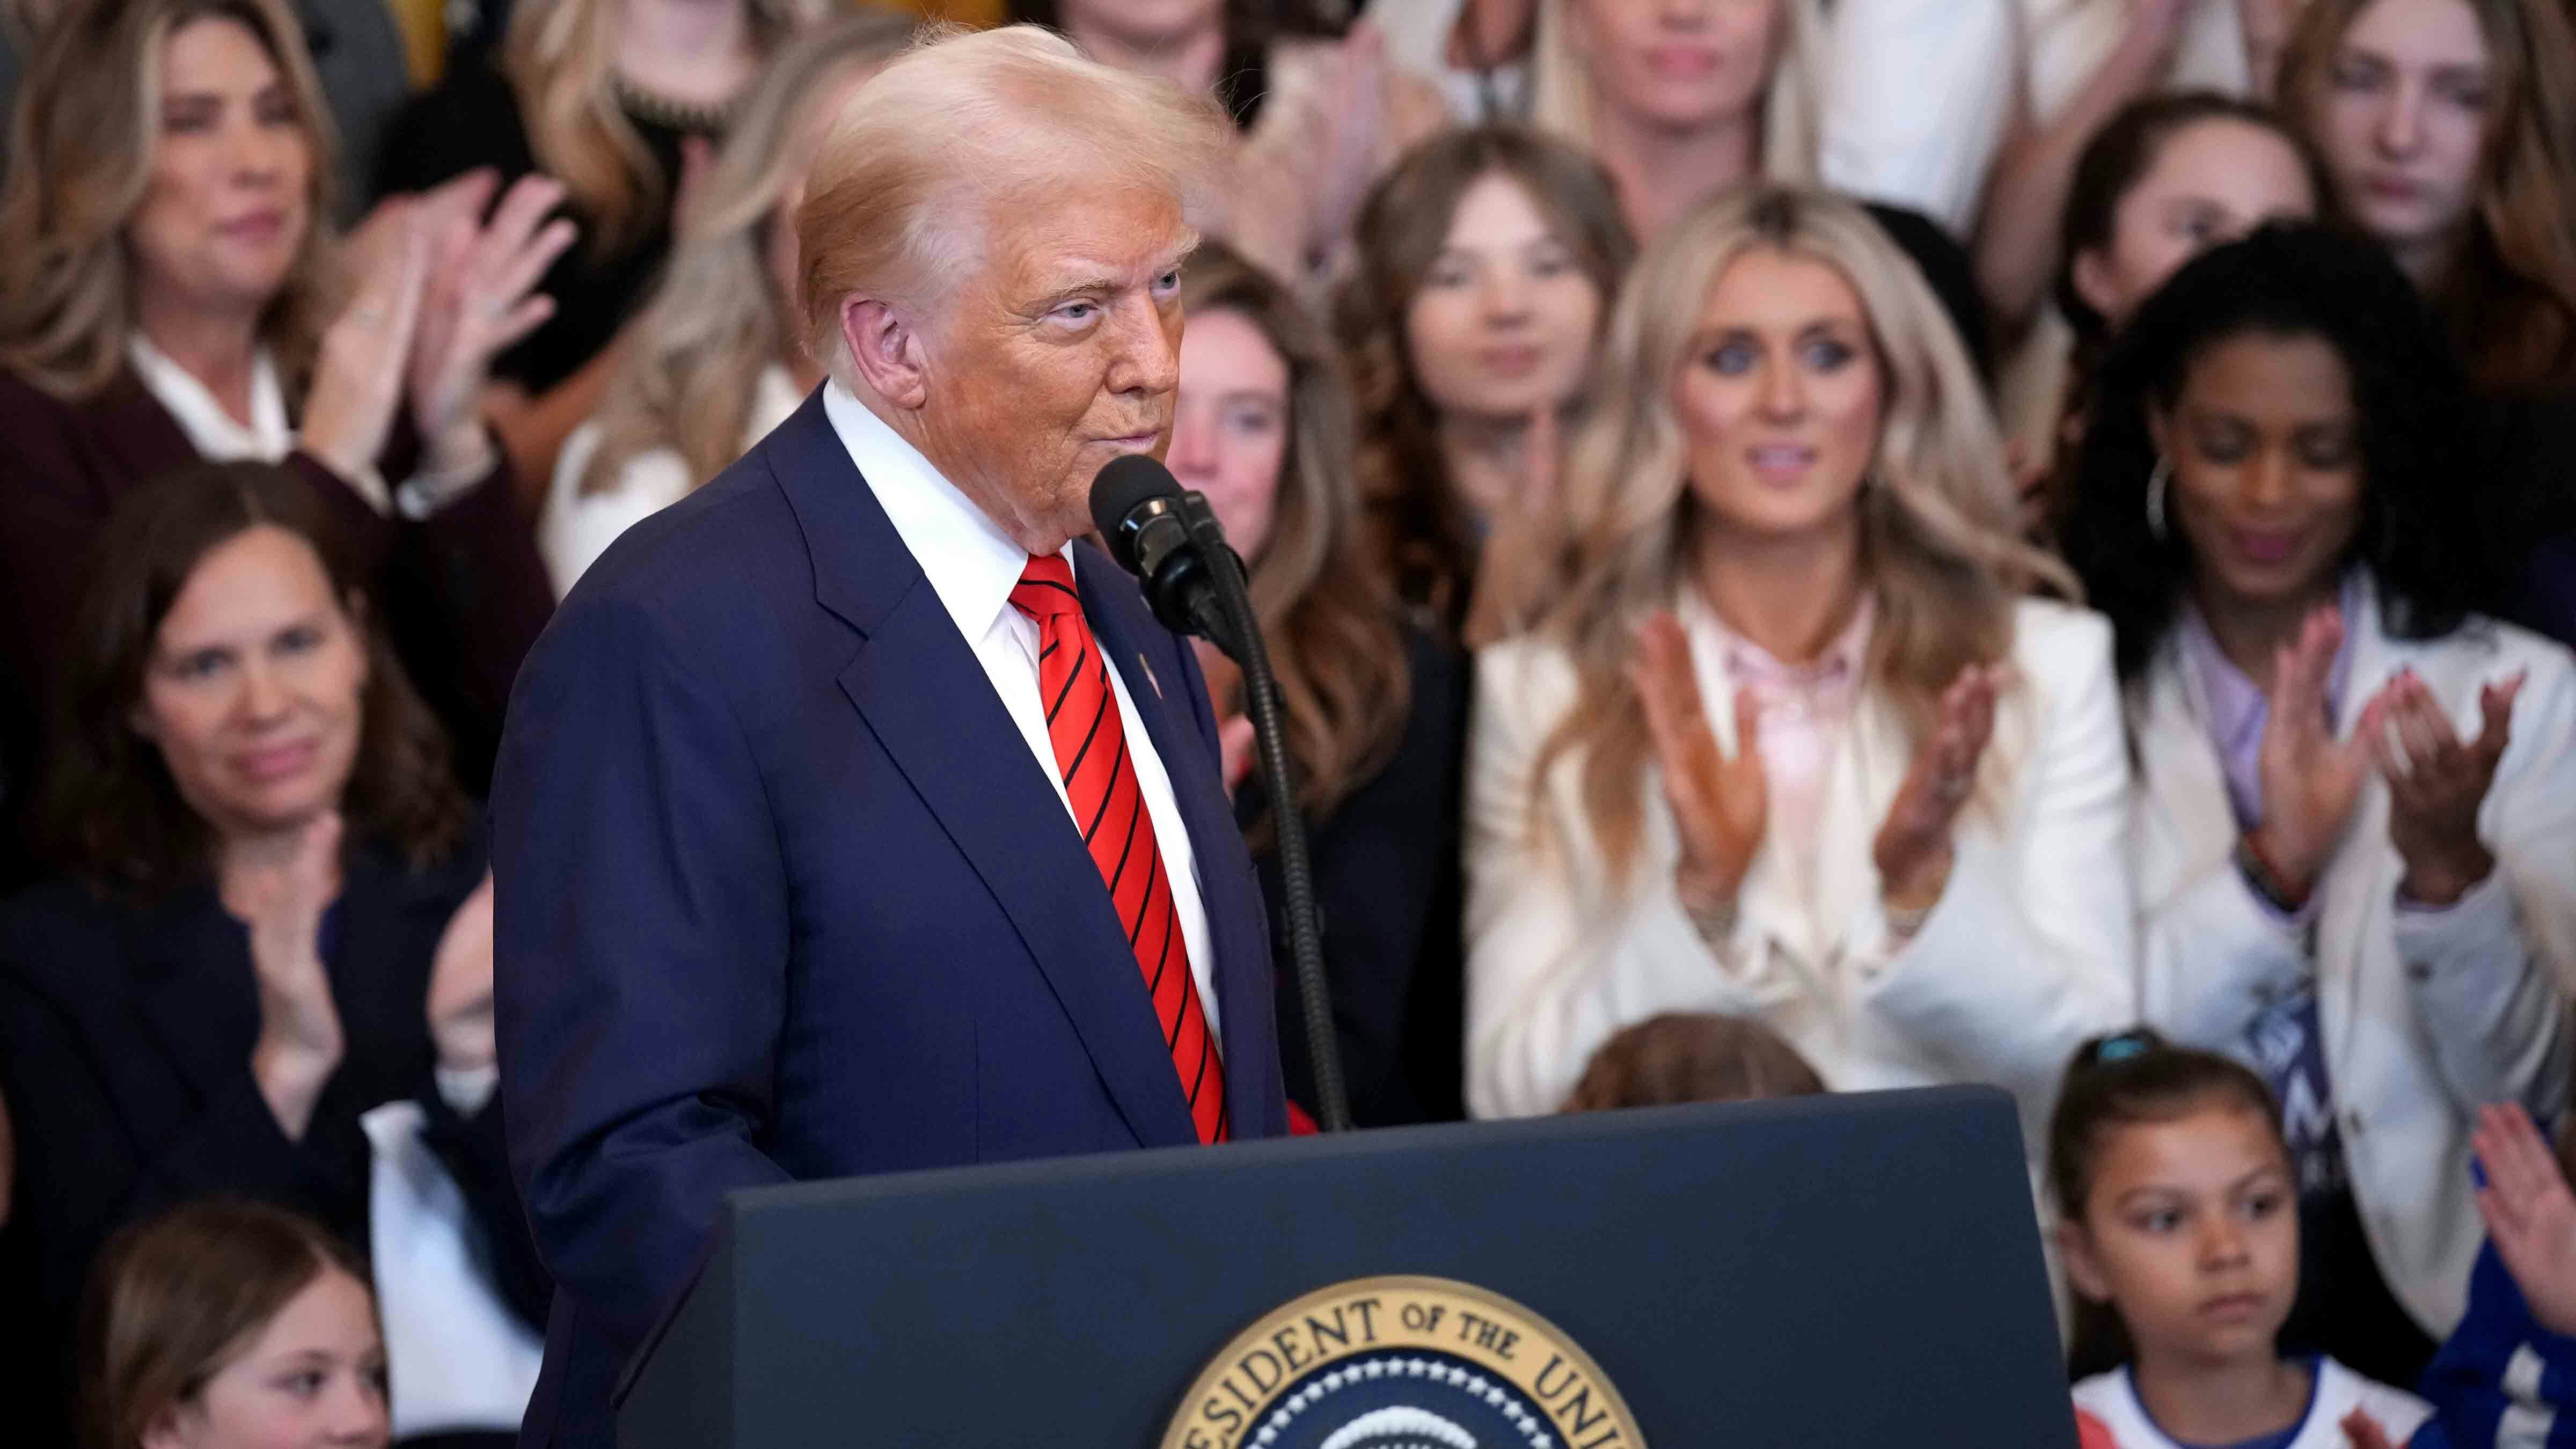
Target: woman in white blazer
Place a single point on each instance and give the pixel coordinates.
(715, 360)
(2356, 824)
(1897, 839)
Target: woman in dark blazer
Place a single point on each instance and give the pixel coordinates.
(171, 290)
(1374, 703)
(274, 913)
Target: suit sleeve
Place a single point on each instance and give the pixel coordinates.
(1555, 964)
(2489, 975)
(2031, 947)
(641, 956)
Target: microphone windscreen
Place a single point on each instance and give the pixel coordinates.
(1126, 481)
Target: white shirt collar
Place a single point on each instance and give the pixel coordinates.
(213, 432)
(971, 564)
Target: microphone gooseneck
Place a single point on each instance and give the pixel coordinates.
(1170, 540)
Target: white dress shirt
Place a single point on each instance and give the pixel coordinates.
(578, 527)
(973, 566)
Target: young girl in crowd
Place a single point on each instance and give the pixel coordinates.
(2357, 797)
(1318, 118)
(231, 1325)
(273, 913)
(172, 289)
(2450, 126)
(1488, 260)
(2176, 1200)
(1739, 107)
(1375, 704)
(1788, 740)
(718, 358)
(622, 101)
(2170, 177)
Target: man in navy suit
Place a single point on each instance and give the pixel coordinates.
(850, 818)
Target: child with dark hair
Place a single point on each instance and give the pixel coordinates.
(2178, 1210)
(1685, 1057)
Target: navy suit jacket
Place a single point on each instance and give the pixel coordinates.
(783, 894)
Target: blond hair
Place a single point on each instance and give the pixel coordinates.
(1939, 547)
(717, 320)
(81, 150)
(930, 148)
(1563, 99)
(560, 60)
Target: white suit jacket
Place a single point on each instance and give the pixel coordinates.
(2027, 953)
(2425, 1015)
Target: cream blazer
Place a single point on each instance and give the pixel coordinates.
(2425, 1015)
(2028, 952)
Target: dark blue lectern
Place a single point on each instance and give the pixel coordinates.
(1841, 1271)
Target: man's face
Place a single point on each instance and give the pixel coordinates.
(1061, 354)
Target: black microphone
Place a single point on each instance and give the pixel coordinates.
(1168, 537)
(1145, 516)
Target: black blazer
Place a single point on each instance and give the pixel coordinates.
(1387, 880)
(125, 1042)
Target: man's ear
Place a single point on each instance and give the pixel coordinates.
(2083, 1265)
(886, 350)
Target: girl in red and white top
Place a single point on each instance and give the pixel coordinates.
(2178, 1225)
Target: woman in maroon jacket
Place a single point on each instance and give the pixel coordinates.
(170, 291)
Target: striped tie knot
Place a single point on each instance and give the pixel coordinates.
(1045, 589)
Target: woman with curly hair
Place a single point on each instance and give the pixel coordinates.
(2357, 796)
(272, 914)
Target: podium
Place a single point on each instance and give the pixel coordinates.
(1857, 1270)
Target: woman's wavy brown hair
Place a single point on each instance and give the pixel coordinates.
(2510, 300)
(81, 146)
(110, 813)
(560, 59)
(1423, 534)
(1940, 546)
(1329, 617)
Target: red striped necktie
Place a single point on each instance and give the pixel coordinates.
(1100, 782)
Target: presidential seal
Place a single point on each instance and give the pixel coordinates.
(1402, 1363)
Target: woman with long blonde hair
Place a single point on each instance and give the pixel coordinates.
(1788, 739)
(623, 101)
(1681, 101)
(717, 360)
(1375, 705)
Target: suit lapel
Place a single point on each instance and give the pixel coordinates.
(972, 768)
(197, 991)
(1174, 707)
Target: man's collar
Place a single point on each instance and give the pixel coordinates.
(971, 563)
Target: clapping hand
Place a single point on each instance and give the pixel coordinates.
(1912, 851)
(282, 899)
(2309, 778)
(479, 300)
(2436, 783)
(1719, 805)
(358, 376)
(2531, 1215)
(460, 986)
